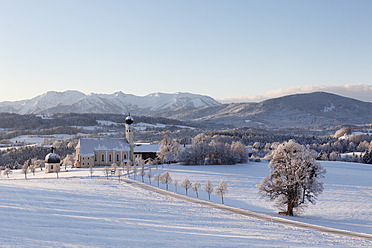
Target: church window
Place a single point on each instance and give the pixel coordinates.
(125, 156)
(110, 158)
(51, 167)
(117, 157)
(103, 158)
(95, 157)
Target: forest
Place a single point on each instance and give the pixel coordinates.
(343, 143)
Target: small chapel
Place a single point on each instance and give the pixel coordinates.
(106, 151)
(52, 161)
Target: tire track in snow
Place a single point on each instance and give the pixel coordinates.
(250, 213)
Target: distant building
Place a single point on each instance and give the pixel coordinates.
(146, 151)
(106, 151)
(52, 161)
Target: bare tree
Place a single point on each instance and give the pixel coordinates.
(128, 166)
(293, 177)
(57, 169)
(208, 187)
(195, 187)
(175, 182)
(134, 171)
(142, 170)
(7, 172)
(157, 178)
(32, 168)
(186, 184)
(106, 172)
(166, 179)
(34, 165)
(149, 175)
(119, 172)
(221, 190)
(91, 171)
(25, 168)
(114, 167)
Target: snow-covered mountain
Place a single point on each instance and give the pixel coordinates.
(312, 109)
(78, 102)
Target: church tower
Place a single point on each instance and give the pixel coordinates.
(129, 135)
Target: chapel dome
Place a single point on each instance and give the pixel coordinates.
(129, 120)
(52, 158)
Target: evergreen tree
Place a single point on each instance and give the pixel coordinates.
(367, 157)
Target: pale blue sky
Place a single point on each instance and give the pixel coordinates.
(224, 49)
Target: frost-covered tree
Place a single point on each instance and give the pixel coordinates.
(169, 149)
(25, 168)
(134, 168)
(239, 151)
(157, 178)
(119, 172)
(166, 179)
(175, 183)
(195, 187)
(32, 169)
(214, 150)
(114, 167)
(149, 175)
(91, 171)
(208, 187)
(221, 190)
(186, 184)
(293, 178)
(142, 170)
(7, 172)
(57, 169)
(34, 164)
(106, 172)
(128, 166)
(68, 160)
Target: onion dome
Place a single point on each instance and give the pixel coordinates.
(129, 120)
(52, 158)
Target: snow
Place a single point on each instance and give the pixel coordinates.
(41, 138)
(346, 136)
(108, 123)
(76, 211)
(141, 126)
(329, 109)
(43, 117)
(88, 128)
(146, 147)
(351, 154)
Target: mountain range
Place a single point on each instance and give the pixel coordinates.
(312, 109)
(118, 103)
(299, 110)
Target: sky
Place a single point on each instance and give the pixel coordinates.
(230, 50)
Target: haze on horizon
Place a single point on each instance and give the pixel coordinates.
(231, 51)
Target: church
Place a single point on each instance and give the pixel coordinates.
(106, 151)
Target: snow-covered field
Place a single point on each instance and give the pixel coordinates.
(76, 211)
